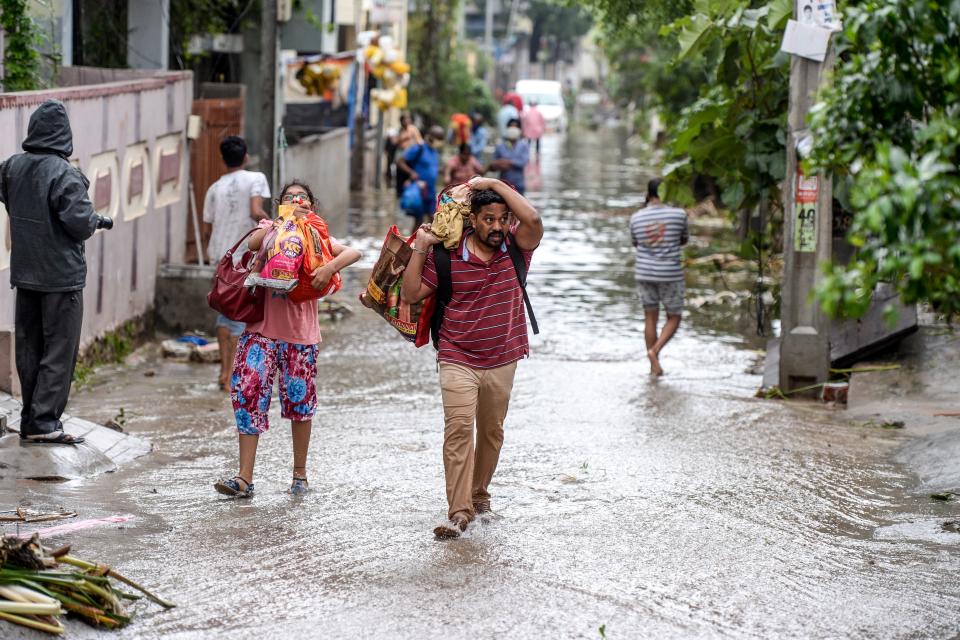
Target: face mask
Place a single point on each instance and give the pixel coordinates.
(513, 133)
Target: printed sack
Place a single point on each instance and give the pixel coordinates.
(281, 254)
(383, 291)
(318, 251)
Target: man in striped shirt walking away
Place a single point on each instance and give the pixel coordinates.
(658, 232)
(482, 336)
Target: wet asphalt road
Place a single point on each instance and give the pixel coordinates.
(678, 507)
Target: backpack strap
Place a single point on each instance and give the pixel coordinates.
(441, 262)
(520, 265)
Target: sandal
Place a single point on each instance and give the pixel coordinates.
(233, 489)
(299, 486)
(59, 437)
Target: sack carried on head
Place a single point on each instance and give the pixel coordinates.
(452, 214)
(383, 291)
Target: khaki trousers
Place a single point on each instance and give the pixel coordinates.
(472, 395)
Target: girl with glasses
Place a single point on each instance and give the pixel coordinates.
(284, 344)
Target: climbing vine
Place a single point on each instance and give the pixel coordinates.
(21, 59)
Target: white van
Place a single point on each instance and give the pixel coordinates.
(548, 94)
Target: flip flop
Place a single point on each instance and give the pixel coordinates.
(299, 487)
(232, 488)
(60, 438)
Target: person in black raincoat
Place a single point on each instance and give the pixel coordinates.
(50, 218)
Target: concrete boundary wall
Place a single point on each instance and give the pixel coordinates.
(129, 139)
(323, 161)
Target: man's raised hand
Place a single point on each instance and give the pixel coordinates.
(480, 183)
(425, 237)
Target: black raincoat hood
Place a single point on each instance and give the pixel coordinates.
(49, 130)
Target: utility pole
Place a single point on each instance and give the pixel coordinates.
(358, 150)
(269, 112)
(808, 227)
(488, 40)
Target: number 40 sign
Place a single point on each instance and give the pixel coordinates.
(805, 229)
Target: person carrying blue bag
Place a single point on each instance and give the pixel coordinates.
(422, 163)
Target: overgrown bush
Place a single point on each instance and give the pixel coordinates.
(890, 125)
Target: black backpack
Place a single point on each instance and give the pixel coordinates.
(441, 260)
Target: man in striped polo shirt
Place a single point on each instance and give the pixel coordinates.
(483, 335)
(658, 232)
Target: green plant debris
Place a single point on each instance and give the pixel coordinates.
(82, 374)
(885, 367)
(944, 496)
(883, 424)
(776, 392)
(112, 348)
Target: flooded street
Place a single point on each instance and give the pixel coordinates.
(672, 507)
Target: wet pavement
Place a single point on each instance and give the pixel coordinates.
(673, 507)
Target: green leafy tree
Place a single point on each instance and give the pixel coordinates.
(716, 73)
(644, 71)
(890, 126)
(441, 83)
(556, 29)
(189, 18)
(735, 131)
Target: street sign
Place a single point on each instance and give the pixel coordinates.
(805, 230)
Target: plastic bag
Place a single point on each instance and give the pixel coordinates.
(411, 200)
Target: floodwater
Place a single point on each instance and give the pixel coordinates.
(672, 507)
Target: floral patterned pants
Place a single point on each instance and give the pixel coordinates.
(257, 361)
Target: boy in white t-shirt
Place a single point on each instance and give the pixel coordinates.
(233, 206)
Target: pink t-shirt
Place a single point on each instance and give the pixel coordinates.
(533, 123)
(285, 320)
(460, 172)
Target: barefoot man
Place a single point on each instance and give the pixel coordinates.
(483, 333)
(658, 232)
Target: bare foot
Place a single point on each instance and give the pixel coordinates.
(222, 382)
(655, 367)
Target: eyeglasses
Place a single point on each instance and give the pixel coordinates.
(299, 198)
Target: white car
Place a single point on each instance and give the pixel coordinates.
(548, 94)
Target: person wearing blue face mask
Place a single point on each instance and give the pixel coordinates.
(510, 157)
(422, 164)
